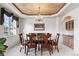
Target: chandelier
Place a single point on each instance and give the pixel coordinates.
(39, 18)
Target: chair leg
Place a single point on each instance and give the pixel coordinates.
(27, 51)
(35, 51)
(50, 52)
(57, 48)
(20, 49)
(52, 49)
(41, 51)
(49, 48)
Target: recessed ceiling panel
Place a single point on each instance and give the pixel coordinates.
(33, 8)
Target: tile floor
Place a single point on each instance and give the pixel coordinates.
(63, 51)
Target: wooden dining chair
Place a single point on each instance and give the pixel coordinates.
(55, 43)
(31, 43)
(44, 44)
(21, 41)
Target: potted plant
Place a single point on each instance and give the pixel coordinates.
(2, 46)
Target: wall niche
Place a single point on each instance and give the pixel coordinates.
(69, 23)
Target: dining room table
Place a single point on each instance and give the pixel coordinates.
(38, 44)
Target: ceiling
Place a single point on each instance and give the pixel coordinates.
(33, 8)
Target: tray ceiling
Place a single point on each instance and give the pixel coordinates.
(33, 8)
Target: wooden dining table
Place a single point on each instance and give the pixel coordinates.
(38, 44)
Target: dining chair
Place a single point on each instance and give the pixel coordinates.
(55, 42)
(31, 43)
(49, 36)
(21, 41)
(44, 44)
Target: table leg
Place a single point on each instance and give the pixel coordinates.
(25, 48)
(39, 46)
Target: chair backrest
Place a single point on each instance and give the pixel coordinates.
(44, 38)
(21, 38)
(27, 36)
(32, 37)
(49, 36)
(57, 38)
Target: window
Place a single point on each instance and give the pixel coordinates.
(14, 27)
(9, 25)
(9, 21)
(6, 24)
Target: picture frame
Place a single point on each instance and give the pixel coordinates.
(39, 27)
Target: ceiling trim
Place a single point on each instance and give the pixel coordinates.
(37, 14)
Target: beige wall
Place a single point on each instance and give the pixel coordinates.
(75, 15)
(51, 25)
(12, 40)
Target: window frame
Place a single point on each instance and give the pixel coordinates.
(11, 19)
